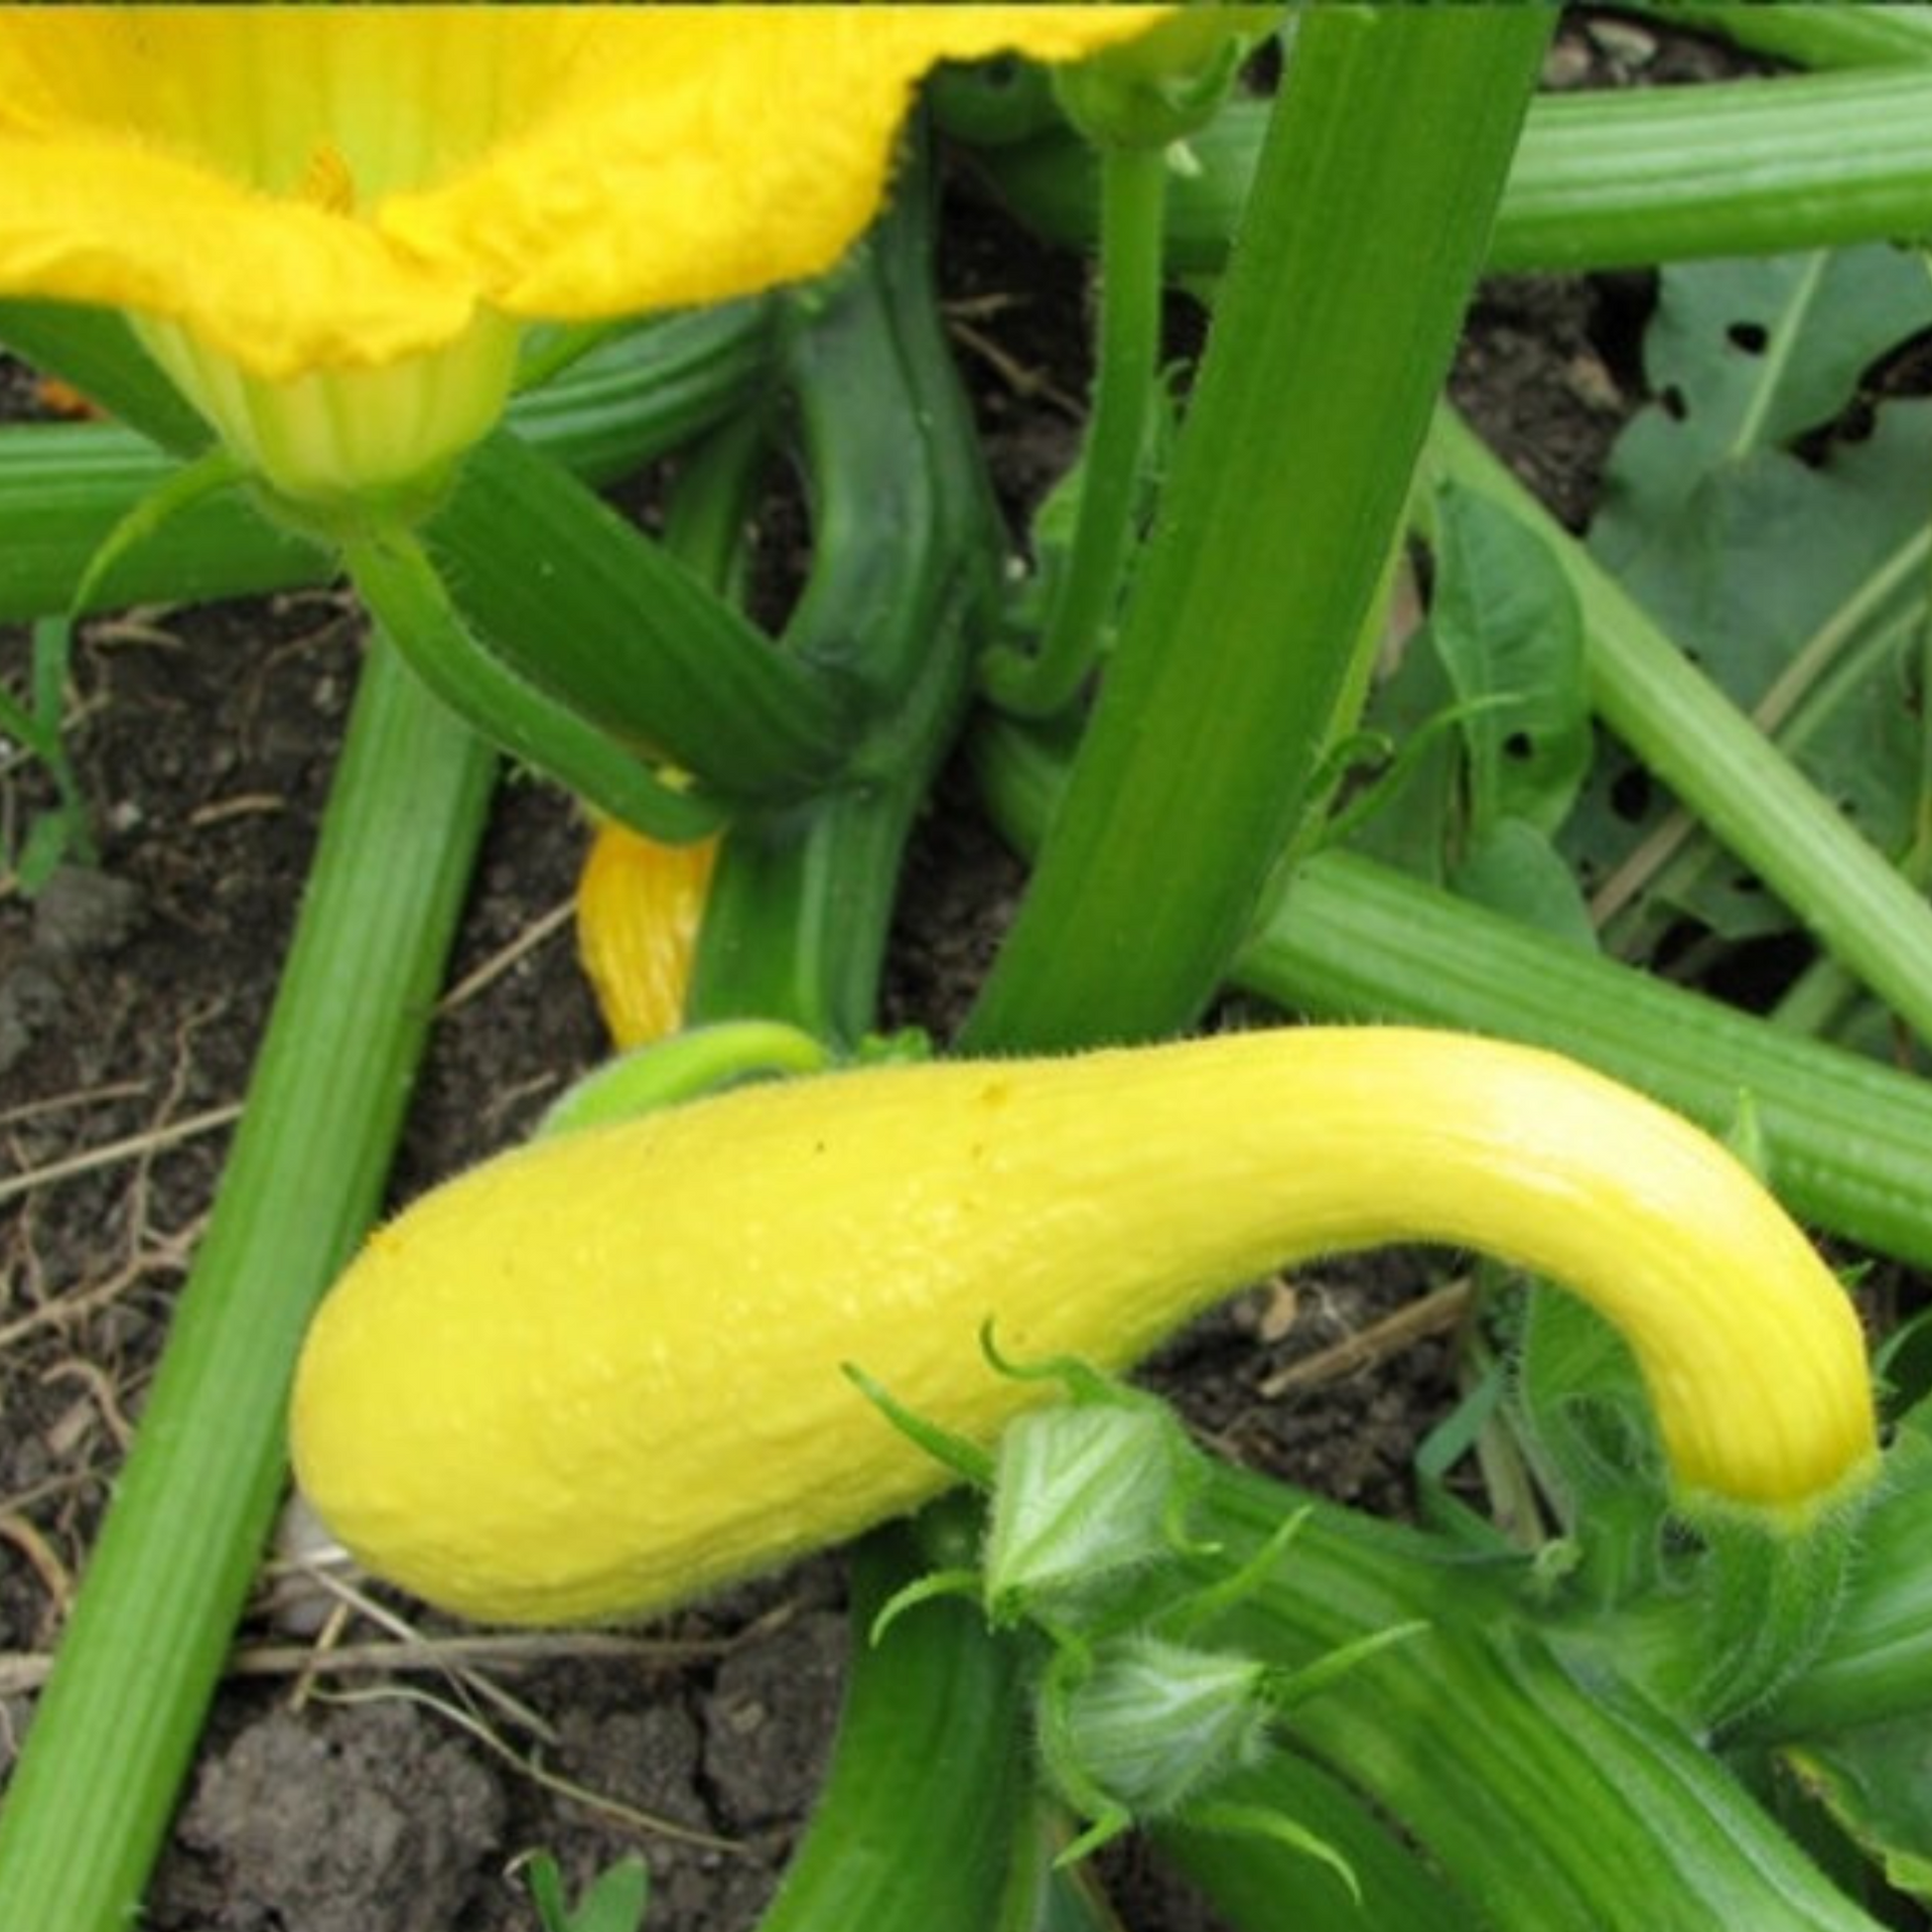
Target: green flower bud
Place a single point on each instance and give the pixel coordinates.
(1144, 1725)
(1084, 1493)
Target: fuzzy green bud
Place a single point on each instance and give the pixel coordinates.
(1084, 1494)
(1149, 1726)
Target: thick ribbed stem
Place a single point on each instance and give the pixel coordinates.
(96, 1782)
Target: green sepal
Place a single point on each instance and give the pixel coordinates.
(903, 1047)
(965, 1458)
(1287, 1689)
(1260, 1821)
(1138, 1729)
(1202, 1607)
(208, 475)
(1162, 86)
(934, 1585)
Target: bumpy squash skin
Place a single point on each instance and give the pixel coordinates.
(604, 1374)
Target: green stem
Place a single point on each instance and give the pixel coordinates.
(1240, 636)
(95, 350)
(1741, 167)
(649, 390)
(65, 488)
(35, 725)
(1695, 740)
(929, 1785)
(712, 504)
(801, 900)
(97, 1781)
(1819, 997)
(1824, 674)
(1551, 1799)
(403, 589)
(1812, 36)
(1602, 180)
(1258, 1881)
(1133, 197)
(565, 592)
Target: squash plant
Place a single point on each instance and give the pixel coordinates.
(1690, 1701)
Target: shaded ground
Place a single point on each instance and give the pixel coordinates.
(392, 1798)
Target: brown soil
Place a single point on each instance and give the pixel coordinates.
(393, 1799)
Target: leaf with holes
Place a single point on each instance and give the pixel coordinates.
(1750, 355)
(1504, 623)
(1796, 581)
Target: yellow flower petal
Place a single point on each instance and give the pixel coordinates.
(323, 219)
(640, 904)
(340, 188)
(279, 286)
(739, 147)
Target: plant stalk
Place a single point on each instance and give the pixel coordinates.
(65, 488)
(1370, 214)
(1602, 179)
(1080, 623)
(1550, 1799)
(96, 1780)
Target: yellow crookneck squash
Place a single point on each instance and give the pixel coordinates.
(602, 1373)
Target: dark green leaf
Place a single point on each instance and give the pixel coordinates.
(1515, 869)
(1505, 625)
(1794, 581)
(1876, 1781)
(1747, 354)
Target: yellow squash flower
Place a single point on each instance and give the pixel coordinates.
(640, 904)
(328, 224)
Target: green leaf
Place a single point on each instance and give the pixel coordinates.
(615, 1902)
(545, 1880)
(1747, 354)
(1580, 1404)
(1876, 1781)
(1405, 815)
(1505, 625)
(1516, 870)
(1796, 585)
